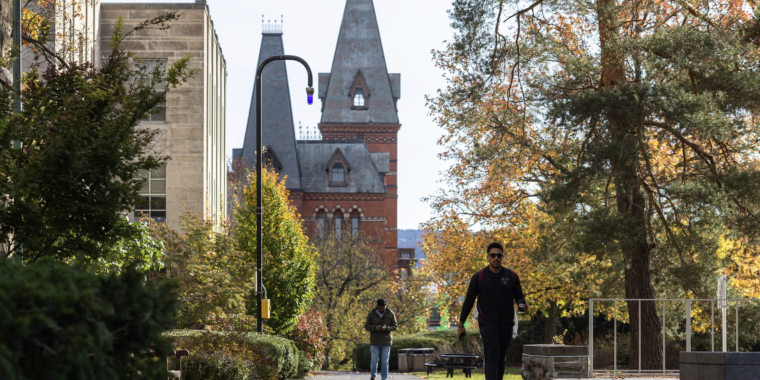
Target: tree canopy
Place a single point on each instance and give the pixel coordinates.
(77, 171)
(632, 124)
(352, 275)
(290, 261)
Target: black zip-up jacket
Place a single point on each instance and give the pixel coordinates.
(496, 297)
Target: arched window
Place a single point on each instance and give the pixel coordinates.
(354, 223)
(338, 173)
(338, 223)
(359, 98)
(321, 223)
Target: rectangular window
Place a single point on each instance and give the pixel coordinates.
(151, 66)
(321, 225)
(338, 226)
(354, 225)
(152, 200)
(338, 173)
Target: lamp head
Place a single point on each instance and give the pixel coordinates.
(310, 95)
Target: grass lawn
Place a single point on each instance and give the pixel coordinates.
(440, 373)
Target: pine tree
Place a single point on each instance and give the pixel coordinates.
(633, 124)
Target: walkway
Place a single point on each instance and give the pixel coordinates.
(334, 375)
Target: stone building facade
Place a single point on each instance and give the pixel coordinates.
(344, 182)
(6, 40)
(193, 124)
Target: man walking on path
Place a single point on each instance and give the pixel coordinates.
(496, 289)
(381, 323)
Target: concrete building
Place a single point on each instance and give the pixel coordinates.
(343, 182)
(193, 125)
(6, 40)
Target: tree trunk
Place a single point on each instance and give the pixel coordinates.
(550, 323)
(631, 203)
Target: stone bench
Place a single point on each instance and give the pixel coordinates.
(720, 365)
(551, 361)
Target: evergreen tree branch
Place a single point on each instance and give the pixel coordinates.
(706, 157)
(696, 13)
(528, 143)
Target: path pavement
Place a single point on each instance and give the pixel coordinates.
(334, 375)
(625, 378)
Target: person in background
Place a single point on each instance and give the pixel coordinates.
(381, 323)
(496, 289)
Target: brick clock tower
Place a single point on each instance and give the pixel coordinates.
(344, 182)
(359, 100)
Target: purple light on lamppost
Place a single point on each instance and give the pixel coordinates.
(310, 95)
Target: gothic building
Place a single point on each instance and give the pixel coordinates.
(345, 182)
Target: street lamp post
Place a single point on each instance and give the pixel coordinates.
(260, 170)
(17, 64)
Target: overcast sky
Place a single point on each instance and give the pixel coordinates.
(410, 30)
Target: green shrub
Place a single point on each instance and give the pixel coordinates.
(62, 322)
(304, 365)
(216, 366)
(266, 356)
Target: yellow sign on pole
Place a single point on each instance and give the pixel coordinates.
(266, 309)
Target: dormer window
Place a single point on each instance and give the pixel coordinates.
(338, 173)
(359, 98)
(359, 92)
(338, 169)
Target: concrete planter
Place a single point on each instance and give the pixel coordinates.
(720, 365)
(551, 361)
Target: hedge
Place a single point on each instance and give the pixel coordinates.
(214, 366)
(267, 357)
(62, 322)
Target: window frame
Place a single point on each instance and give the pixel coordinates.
(355, 224)
(359, 99)
(151, 195)
(359, 84)
(338, 170)
(150, 65)
(321, 223)
(338, 222)
(338, 158)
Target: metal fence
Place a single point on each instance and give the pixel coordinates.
(722, 304)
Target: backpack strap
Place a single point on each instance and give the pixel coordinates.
(512, 275)
(481, 273)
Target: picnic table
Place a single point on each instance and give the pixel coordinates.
(456, 361)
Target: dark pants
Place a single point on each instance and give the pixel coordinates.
(496, 339)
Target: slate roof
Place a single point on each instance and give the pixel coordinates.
(314, 156)
(382, 161)
(359, 47)
(277, 120)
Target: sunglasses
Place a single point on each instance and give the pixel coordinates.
(495, 255)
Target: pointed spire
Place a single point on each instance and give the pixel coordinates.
(277, 122)
(359, 48)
